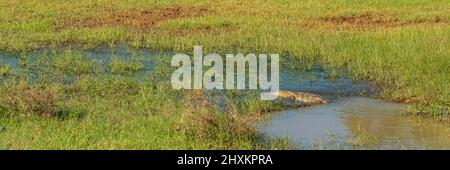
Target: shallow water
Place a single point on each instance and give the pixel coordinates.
(350, 121)
(356, 123)
(102, 55)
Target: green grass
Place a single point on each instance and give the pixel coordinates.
(5, 70)
(119, 66)
(401, 46)
(99, 110)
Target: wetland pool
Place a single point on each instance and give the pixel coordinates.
(353, 120)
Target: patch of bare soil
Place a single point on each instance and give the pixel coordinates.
(135, 19)
(362, 20)
(372, 20)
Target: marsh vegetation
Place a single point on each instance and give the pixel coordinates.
(88, 74)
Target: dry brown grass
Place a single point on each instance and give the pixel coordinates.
(370, 20)
(202, 119)
(24, 99)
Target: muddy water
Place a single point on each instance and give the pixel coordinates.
(356, 123)
(351, 121)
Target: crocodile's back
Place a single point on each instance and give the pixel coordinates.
(310, 98)
(304, 97)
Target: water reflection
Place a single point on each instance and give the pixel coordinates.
(357, 123)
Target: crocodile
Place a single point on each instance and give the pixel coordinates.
(304, 98)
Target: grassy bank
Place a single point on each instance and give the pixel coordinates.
(402, 46)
